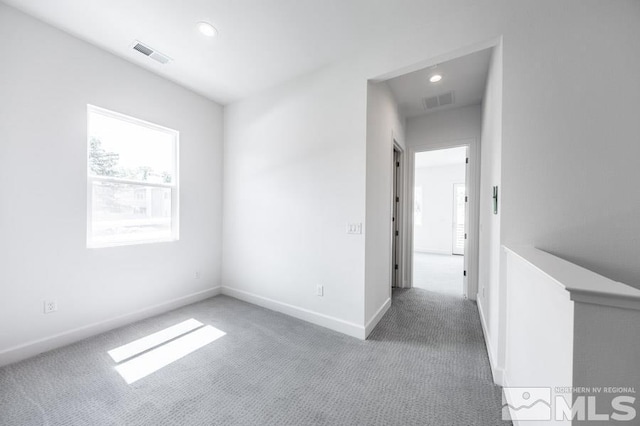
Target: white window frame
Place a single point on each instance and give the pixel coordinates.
(173, 186)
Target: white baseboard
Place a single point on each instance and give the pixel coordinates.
(377, 317)
(317, 318)
(432, 251)
(496, 372)
(35, 347)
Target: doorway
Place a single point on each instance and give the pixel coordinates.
(440, 103)
(440, 220)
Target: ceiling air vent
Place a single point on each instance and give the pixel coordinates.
(431, 102)
(153, 54)
(438, 101)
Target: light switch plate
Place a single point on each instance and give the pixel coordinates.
(354, 228)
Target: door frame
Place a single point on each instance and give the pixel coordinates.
(454, 230)
(473, 189)
(398, 177)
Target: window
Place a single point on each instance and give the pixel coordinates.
(459, 205)
(417, 206)
(132, 180)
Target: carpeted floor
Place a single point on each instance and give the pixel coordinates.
(441, 273)
(425, 364)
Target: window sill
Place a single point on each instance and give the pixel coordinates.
(92, 245)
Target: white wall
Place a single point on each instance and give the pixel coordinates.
(569, 143)
(491, 295)
(569, 149)
(435, 234)
(449, 126)
(384, 125)
(47, 78)
(294, 176)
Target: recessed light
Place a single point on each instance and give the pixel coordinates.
(207, 29)
(435, 78)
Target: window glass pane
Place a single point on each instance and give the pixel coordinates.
(124, 213)
(417, 206)
(459, 216)
(123, 149)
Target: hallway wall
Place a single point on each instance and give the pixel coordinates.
(491, 292)
(432, 130)
(569, 150)
(384, 125)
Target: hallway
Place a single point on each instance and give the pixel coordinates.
(439, 341)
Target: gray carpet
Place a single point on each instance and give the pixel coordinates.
(425, 364)
(441, 273)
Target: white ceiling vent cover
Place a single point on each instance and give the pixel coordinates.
(152, 53)
(438, 101)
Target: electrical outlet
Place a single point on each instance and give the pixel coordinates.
(319, 290)
(50, 306)
(197, 275)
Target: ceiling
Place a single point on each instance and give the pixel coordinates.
(260, 43)
(441, 157)
(465, 76)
